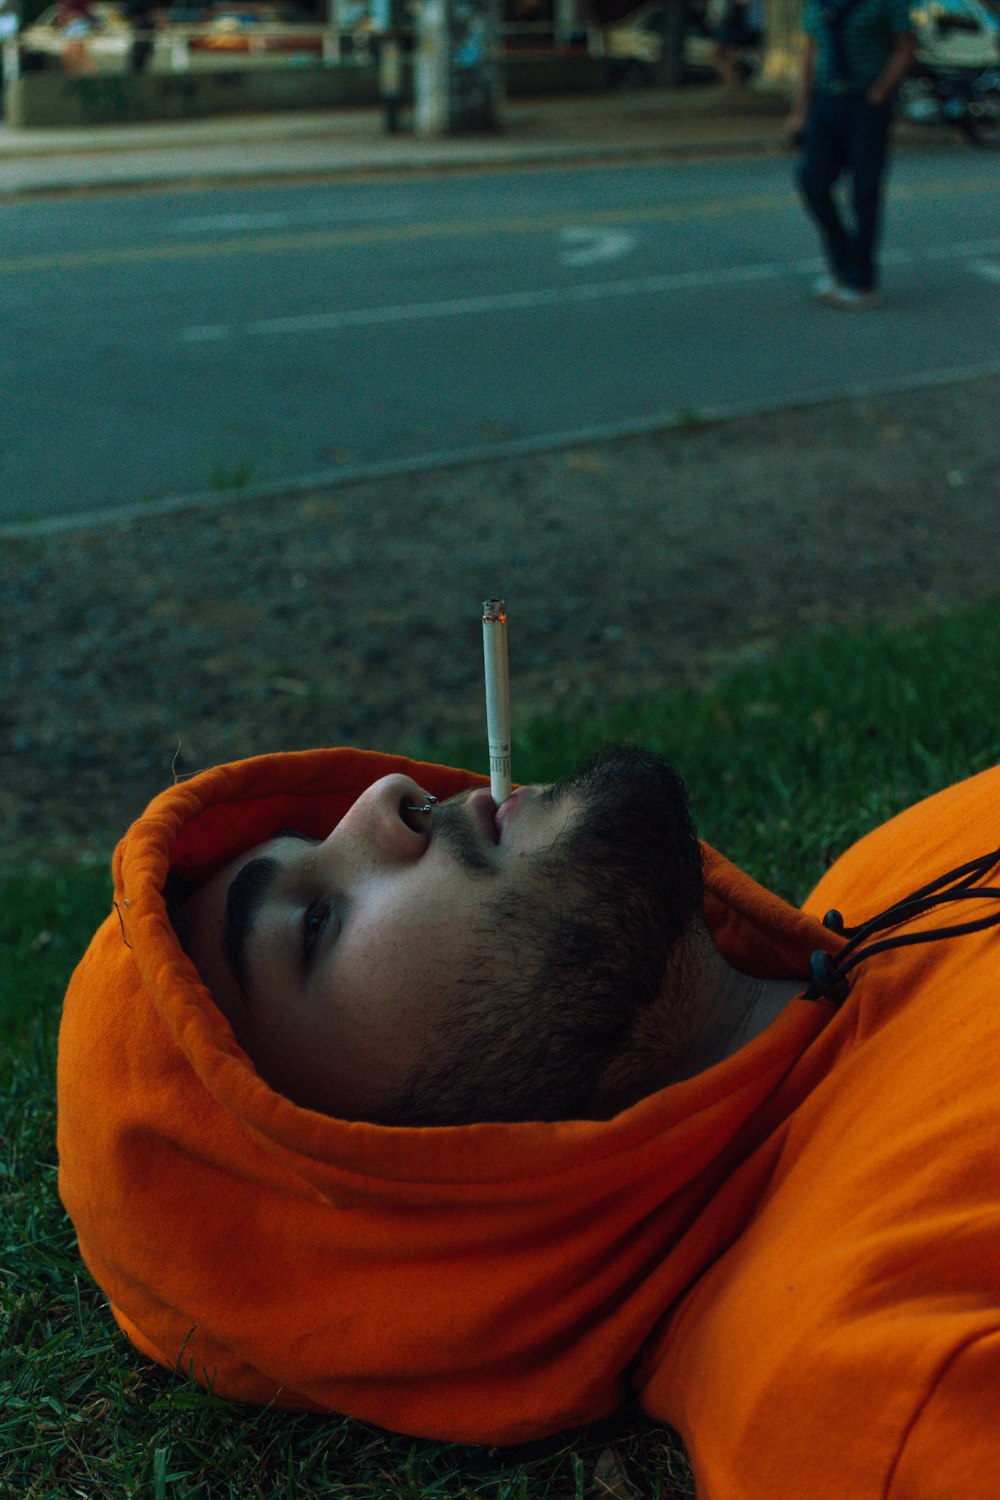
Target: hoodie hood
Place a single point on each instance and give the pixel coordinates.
(487, 1283)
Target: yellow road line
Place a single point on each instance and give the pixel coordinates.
(270, 244)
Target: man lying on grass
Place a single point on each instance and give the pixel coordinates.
(685, 1136)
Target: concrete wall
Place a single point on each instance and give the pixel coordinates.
(54, 99)
(545, 73)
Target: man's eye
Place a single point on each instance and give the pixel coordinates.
(317, 914)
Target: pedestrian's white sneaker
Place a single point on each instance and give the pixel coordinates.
(848, 299)
(825, 288)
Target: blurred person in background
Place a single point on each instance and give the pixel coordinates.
(856, 54)
(77, 22)
(9, 24)
(740, 31)
(142, 18)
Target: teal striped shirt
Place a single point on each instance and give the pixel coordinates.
(870, 30)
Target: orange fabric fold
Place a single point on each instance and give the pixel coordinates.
(848, 1342)
(726, 1238)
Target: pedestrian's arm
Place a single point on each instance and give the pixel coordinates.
(803, 93)
(895, 70)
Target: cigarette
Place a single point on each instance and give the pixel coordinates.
(497, 697)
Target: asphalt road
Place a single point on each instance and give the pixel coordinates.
(178, 343)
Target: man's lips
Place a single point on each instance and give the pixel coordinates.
(507, 809)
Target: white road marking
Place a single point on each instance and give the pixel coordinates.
(595, 244)
(966, 247)
(332, 214)
(586, 291)
(989, 270)
(407, 312)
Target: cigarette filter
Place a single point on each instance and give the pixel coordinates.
(497, 697)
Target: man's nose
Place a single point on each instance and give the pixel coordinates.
(388, 821)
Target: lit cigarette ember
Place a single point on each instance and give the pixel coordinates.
(497, 697)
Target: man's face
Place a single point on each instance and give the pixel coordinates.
(420, 967)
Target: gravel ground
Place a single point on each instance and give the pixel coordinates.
(352, 616)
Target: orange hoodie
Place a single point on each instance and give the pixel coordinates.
(793, 1255)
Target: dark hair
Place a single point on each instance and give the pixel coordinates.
(177, 890)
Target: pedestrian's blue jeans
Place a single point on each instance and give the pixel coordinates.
(846, 134)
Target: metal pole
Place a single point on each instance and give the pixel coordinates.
(11, 59)
(431, 112)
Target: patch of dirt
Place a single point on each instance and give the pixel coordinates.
(352, 616)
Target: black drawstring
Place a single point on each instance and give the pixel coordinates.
(829, 970)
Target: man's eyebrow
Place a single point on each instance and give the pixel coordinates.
(243, 902)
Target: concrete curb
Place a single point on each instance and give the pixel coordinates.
(657, 124)
(166, 174)
(331, 479)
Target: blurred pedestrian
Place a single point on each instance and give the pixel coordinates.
(9, 23)
(740, 31)
(142, 18)
(390, 77)
(77, 22)
(856, 54)
(9, 20)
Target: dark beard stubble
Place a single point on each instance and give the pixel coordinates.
(551, 995)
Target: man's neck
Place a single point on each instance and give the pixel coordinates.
(735, 1008)
(718, 1011)
(767, 999)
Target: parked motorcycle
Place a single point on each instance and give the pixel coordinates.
(956, 80)
(968, 101)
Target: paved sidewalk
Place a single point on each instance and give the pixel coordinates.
(650, 124)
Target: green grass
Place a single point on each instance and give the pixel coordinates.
(788, 760)
(224, 476)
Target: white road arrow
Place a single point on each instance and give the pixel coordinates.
(595, 244)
